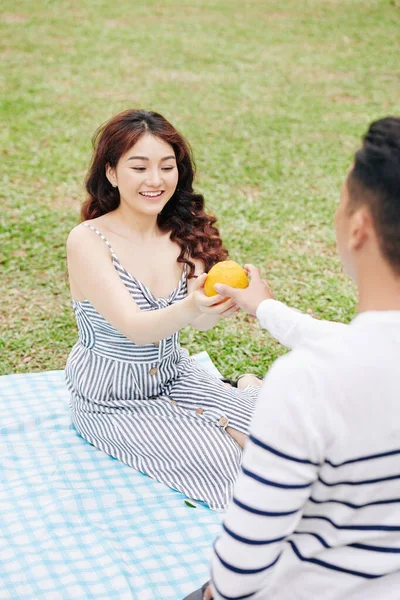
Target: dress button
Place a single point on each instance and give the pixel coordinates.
(173, 402)
(223, 421)
(199, 411)
(153, 371)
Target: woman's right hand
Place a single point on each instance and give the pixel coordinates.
(217, 305)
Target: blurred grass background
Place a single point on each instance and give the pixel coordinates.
(273, 97)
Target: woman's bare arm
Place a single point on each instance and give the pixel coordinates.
(92, 273)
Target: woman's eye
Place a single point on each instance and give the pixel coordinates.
(141, 169)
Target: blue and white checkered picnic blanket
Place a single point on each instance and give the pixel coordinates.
(77, 524)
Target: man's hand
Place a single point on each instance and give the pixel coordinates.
(250, 298)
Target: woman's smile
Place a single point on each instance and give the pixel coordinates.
(156, 194)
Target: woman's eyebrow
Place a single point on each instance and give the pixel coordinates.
(147, 158)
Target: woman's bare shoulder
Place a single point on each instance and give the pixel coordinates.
(77, 235)
(82, 237)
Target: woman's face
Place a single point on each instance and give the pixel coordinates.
(146, 175)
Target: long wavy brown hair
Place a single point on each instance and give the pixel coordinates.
(183, 215)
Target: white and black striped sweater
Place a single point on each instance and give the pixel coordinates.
(316, 510)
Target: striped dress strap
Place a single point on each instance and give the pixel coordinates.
(103, 237)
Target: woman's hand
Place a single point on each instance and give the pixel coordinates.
(214, 306)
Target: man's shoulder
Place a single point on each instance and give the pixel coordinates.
(327, 356)
(364, 348)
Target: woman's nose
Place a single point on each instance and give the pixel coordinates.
(154, 178)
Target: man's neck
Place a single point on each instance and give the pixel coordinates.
(379, 289)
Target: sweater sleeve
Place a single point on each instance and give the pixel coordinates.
(280, 464)
(291, 327)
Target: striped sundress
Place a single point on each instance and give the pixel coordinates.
(153, 407)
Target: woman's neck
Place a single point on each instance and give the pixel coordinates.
(131, 224)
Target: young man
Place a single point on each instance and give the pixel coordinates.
(316, 510)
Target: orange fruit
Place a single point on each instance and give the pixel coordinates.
(227, 272)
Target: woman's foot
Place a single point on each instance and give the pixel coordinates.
(245, 380)
(249, 379)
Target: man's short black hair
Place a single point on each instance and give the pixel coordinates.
(375, 181)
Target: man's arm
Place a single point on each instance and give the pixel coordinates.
(290, 327)
(281, 462)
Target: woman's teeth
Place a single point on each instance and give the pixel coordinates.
(151, 194)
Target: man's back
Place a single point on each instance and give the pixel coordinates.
(323, 461)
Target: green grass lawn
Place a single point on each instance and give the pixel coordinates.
(273, 96)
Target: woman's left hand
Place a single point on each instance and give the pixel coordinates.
(230, 311)
(216, 306)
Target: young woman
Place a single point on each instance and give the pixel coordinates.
(137, 266)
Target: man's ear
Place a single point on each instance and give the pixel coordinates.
(110, 174)
(361, 227)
